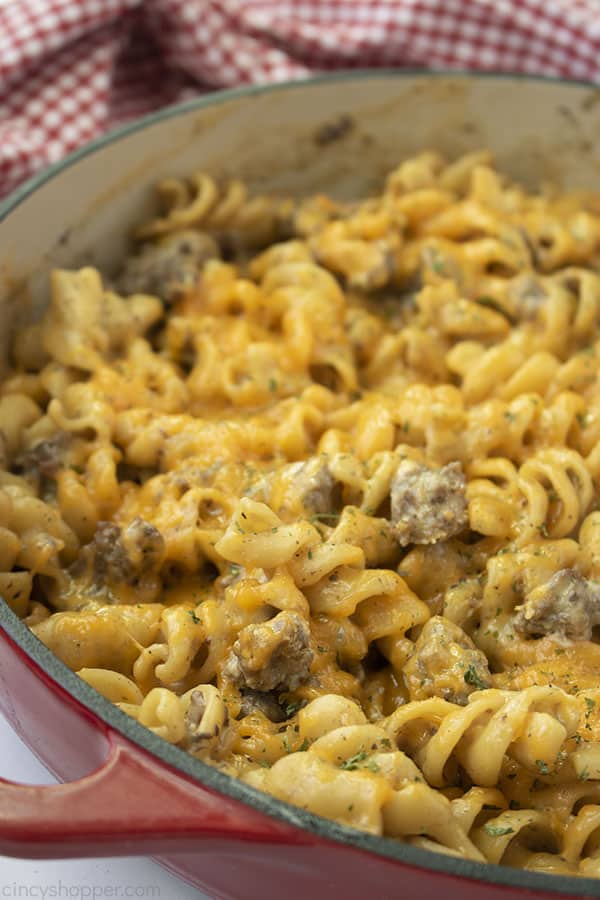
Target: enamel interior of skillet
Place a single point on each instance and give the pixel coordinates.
(539, 129)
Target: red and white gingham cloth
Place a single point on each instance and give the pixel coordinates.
(72, 69)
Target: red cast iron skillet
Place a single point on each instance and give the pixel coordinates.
(125, 790)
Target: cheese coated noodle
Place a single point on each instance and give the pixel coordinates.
(310, 490)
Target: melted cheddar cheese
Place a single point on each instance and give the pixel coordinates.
(311, 490)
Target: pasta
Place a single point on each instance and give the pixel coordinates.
(311, 490)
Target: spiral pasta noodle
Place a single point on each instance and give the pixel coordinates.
(310, 490)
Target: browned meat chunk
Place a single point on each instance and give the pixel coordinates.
(446, 663)
(428, 505)
(567, 606)
(528, 295)
(305, 489)
(264, 702)
(316, 485)
(116, 556)
(273, 655)
(144, 545)
(46, 457)
(170, 268)
(111, 562)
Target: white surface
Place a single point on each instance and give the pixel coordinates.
(76, 878)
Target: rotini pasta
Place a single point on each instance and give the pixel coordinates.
(310, 490)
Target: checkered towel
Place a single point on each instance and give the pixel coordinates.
(72, 69)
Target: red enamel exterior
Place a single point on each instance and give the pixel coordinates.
(125, 801)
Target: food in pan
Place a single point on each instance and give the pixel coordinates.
(310, 489)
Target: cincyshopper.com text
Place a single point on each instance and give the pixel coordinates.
(62, 890)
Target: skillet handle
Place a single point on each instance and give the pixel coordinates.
(131, 805)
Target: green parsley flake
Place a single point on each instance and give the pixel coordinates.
(497, 830)
(353, 762)
(471, 677)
